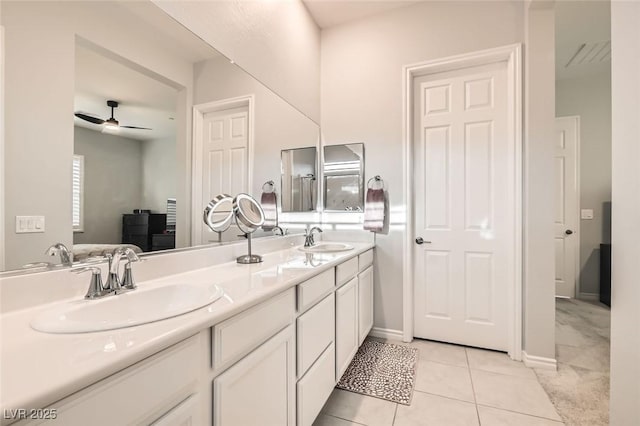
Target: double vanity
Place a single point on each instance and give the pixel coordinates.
(267, 349)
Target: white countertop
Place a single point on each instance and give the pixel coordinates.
(38, 369)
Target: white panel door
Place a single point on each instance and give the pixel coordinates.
(365, 303)
(224, 158)
(464, 211)
(566, 205)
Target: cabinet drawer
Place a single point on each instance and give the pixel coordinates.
(244, 332)
(316, 331)
(346, 271)
(315, 387)
(365, 259)
(309, 292)
(139, 394)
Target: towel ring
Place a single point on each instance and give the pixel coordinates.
(375, 179)
(270, 186)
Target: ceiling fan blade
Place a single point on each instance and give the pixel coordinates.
(89, 118)
(134, 127)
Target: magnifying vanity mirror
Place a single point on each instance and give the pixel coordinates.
(123, 126)
(299, 179)
(343, 171)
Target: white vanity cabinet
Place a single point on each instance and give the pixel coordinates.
(146, 392)
(275, 363)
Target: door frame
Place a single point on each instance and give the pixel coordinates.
(2, 178)
(199, 112)
(577, 292)
(512, 55)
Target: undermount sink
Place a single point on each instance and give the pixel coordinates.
(137, 307)
(327, 248)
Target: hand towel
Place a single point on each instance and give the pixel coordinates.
(269, 203)
(374, 210)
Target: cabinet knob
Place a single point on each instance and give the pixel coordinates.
(568, 232)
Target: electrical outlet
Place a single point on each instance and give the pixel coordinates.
(29, 224)
(586, 214)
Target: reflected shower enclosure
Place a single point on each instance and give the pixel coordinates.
(299, 179)
(343, 171)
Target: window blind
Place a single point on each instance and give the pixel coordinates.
(171, 214)
(78, 193)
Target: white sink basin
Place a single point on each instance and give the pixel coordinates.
(309, 261)
(327, 248)
(127, 309)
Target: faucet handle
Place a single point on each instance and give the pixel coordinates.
(128, 282)
(96, 288)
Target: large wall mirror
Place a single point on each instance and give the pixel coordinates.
(122, 126)
(299, 179)
(343, 171)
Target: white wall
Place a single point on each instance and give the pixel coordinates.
(362, 99)
(112, 184)
(625, 239)
(39, 110)
(159, 173)
(275, 41)
(590, 98)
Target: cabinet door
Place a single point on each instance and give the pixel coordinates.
(365, 303)
(260, 389)
(346, 325)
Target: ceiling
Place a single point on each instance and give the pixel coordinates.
(328, 13)
(145, 101)
(583, 38)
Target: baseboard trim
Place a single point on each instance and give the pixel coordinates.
(543, 363)
(589, 296)
(386, 333)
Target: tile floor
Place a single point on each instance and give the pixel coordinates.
(454, 386)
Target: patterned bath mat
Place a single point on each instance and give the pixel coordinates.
(382, 370)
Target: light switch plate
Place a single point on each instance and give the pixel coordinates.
(29, 224)
(586, 214)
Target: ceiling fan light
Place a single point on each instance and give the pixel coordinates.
(111, 124)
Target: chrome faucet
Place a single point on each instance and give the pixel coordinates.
(114, 284)
(96, 288)
(279, 231)
(66, 257)
(308, 237)
(127, 280)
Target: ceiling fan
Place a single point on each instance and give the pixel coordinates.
(110, 123)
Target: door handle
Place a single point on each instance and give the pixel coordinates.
(568, 232)
(421, 241)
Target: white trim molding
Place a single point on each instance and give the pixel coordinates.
(540, 362)
(386, 333)
(196, 165)
(593, 297)
(2, 223)
(512, 55)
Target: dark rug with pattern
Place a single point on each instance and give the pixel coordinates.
(382, 370)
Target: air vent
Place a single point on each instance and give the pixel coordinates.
(587, 53)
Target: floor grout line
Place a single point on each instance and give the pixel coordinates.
(341, 418)
(443, 396)
(520, 412)
(395, 413)
(473, 389)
